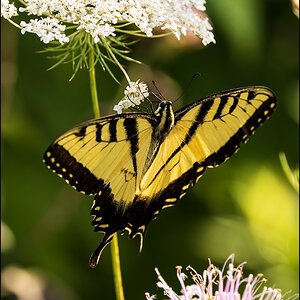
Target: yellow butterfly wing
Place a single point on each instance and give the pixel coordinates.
(137, 164)
(102, 158)
(205, 134)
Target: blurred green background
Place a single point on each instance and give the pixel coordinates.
(246, 206)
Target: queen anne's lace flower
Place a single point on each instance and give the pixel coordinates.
(47, 29)
(8, 10)
(100, 17)
(135, 93)
(219, 285)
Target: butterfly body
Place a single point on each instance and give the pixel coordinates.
(136, 164)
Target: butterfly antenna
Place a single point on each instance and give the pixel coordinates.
(186, 89)
(135, 106)
(162, 97)
(150, 102)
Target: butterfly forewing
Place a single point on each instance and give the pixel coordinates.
(101, 159)
(205, 134)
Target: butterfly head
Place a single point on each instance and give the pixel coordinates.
(165, 116)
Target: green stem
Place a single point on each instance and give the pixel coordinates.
(115, 59)
(13, 23)
(116, 265)
(93, 83)
(117, 268)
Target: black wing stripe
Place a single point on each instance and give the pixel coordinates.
(81, 132)
(221, 106)
(98, 132)
(132, 135)
(251, 95)
(113, 130)
(203, 110)
(234, 105)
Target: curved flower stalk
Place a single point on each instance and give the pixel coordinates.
(216, 284)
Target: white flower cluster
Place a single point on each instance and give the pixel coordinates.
(8, 10)
(100, 17)
(135, 93)
(48, 29)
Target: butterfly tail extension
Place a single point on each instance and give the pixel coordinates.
(133, 231)
(94, 259)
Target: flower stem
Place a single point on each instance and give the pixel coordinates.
(13, 23)
(93, 84)
(117, 268)
(115, 59)
(116, 265)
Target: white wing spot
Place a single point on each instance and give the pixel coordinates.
(58, 165)
(182, 195)
(64, 170)
(99, 219)
(48, 154)
(67, 181)
(170, 200)
(185, 187)
(168, 205)
(103, 225)
(52, 159)
(198, 178)
(200, 169)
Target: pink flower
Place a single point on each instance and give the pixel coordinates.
(216, 284)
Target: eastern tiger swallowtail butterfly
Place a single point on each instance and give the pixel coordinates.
(136, 164)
